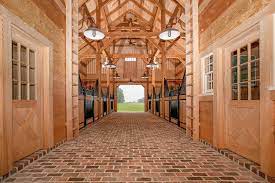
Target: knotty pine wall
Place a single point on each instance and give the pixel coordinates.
(48, 20)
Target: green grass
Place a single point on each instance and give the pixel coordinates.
(130, 107)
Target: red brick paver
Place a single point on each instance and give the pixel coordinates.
(136, 147)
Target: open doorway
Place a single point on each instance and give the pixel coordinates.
(130, 98)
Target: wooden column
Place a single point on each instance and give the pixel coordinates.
(98, 60)
(69, 109)
(267, 95)
(192, 69)
(72, 117)
(75, 69)
(115, 97)
(108, 97)
(163, 59)
(146, 89)
(6, 154)
(99, 70)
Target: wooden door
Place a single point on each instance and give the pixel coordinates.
(26, 105)
(26, 128)
(242, 82)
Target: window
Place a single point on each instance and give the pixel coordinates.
(245, 72)
(208, 74)
(23, 72)
(130, 59)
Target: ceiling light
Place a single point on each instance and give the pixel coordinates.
(110, 65)
(94, 33)
(169, 34)
(116, 76)
(145, 76)
(152, 64)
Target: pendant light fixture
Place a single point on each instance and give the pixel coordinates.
(145, 76)
(169, 34)
(152, 64)
(110, 65)
(94, 33)
(116, 76)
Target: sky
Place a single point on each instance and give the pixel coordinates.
(132, 92)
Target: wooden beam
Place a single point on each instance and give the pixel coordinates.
(61, 6)
(154, 44)
(142, 34)
(133, 12)
(117, 8)
(179, 3)
(172, 18)
(142, 7)
(172, 44)
(154, 20)
(87, 41)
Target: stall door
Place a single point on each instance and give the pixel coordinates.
(243, 100)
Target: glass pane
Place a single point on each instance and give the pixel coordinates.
(32, 59)
(32, 80)
(244, 55)
(23, 74)
(244, 73)
(255, 50)
(235, 92)
(211, 59)
(206, 66)
(14, 72)
(211, 67)
(32, 92)
(23, 55)
(23, 92)
(234, 58)
(14, 90)
(234, 75)
(14, 51)
(255, 70)
(255, 90)
(244, 91)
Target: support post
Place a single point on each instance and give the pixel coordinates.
(192, 69)
(163, 58)
(69, 109)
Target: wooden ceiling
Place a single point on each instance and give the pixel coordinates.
(132, 27)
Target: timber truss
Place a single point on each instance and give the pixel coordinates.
(132, 28)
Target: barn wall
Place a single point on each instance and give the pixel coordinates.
(50, 22)
(238, 24)
(229, 19)
(206, 119)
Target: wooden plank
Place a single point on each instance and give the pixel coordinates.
(52, 10)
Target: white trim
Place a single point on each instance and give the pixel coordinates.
(273, 56)
(203, 75)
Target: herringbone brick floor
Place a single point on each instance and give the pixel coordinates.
(137, 147)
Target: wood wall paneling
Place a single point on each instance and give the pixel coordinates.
(30, 123)
(206, 121)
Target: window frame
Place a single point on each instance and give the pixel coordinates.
(206, 62)
(18, 62)
(249, 62)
